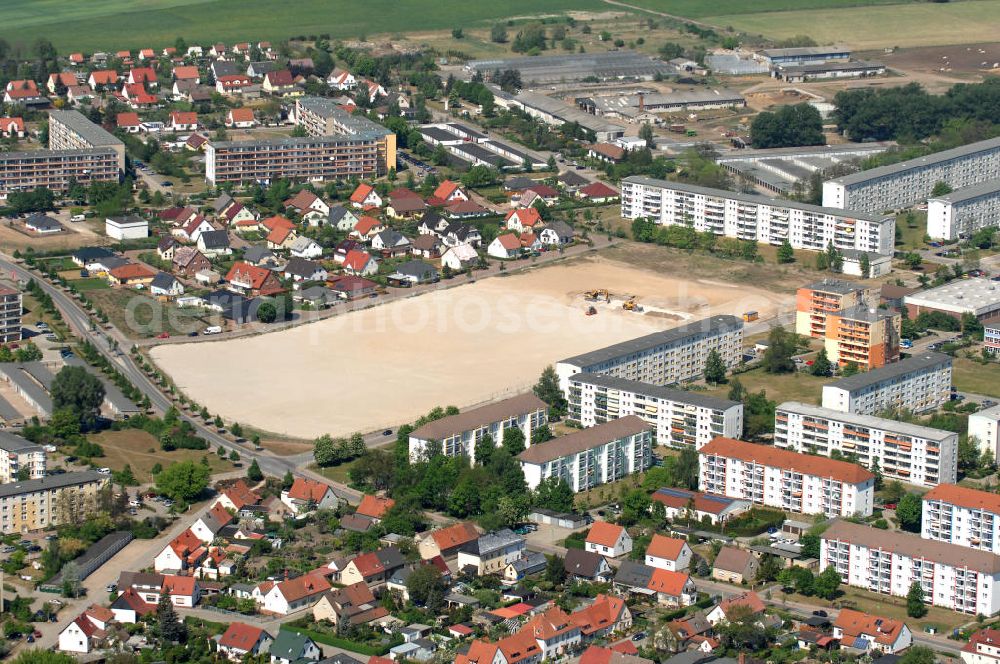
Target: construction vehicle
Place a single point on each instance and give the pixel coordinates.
(591, 311)
(631, 305)
(750, 316)
(597, 294)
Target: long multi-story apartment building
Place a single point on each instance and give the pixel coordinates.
(55, 169)
(662, 358)
(71, 130)
(910, 182)
(756, 218)
(323, 117)
(311, 158)
(20, 459)
(590, 457)
(49, 501)
(458, 434)
(787, 480)
(906, 452)
(847, 318)
(681, 419)
(964, 211)
(11, 307)
(917, 384)
(963, 516)
(890, 561)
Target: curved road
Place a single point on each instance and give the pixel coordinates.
(104, 340)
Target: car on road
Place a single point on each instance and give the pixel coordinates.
(42, 325)
(111, 587)
(989, 403)
(167, 183)
(163, 335)
(387, 432)
(821, 613)
(639, 637)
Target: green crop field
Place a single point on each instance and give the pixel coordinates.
(918, 24)
(702, 9)
(117, 24)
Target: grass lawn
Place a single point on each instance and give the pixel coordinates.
(334, 473)
(800, 386)
(140, 316)
(697, 8)
(142, 451)
(914, 24)
(969, 376)
(889, 607)
(117, 24)
(912, 238)
(91, 283)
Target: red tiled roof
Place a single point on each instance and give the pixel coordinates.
(132, 271)
(246, 273)
(179, 585)
(598, 190)
(361, 193)
(604, 534)
(446, 189)
(374, 507)
(749, 599)
(608, 150)
(668, 548)
(302, 200)
(509, 241)
(241, 495)
(143, 75)
(184, 117)
(527, 216)
(544, 190)
(128, 119)
(356, 260)
(987, 637)
(855, 623)
(306, 585)
(241, 636)
(366, 224)
(602, 614)
(368, 564)
(64, 77)
(455, 535)
(306, 489)
(104, 76)
(282, 77)
(667, 582)
(241, 114)
(184, 72)
(101, 613)
(786, 459)
(279, 234)
(274, 222)
(965, 497)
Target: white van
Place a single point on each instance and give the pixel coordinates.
(78, 217)
(214, 329)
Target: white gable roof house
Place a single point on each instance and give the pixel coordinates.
(305, 247)
(460, 257)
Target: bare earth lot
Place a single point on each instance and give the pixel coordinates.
(370, 369)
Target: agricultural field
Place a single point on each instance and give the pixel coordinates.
(114, 24)
(699, 9)
(875, 27)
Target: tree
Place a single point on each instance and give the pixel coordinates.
(498, 34)
(79, 390)
(635, 506)
(827, 583)
(43, 657)
(781, 347)
(484, 450)
(547, 389)
(908, 512)
(254, 473)
(646, 134)
(866, 265)
(555, 494)
(267, 313)
(789, 126)
(687, 469)
(821, 365)
(287, 481)
(513, 440)
(785, 252)
(422, 582)
(168, 625)
(555, 569)
(915, 607)
(183, 481)
(325, 451)
(918, 655)
(877, 472)
(941, 188)
(715, 368)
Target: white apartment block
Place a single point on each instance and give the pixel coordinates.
(984, 427)
(963, 516)
(906, 183)
(681, 419)
(19, 456)
(584, 459)
(890, 561)
(918, 384)
(662, 358)
(964, 211)
(787, 480)
(458, 434)
(906, 452)
(756, 218)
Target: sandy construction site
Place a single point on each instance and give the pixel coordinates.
(379, 367)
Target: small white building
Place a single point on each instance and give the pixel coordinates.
(460, 257)
(129, 227)
(608, 539)
(984, 428)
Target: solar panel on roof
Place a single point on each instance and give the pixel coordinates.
(718, 499)
(676, 493)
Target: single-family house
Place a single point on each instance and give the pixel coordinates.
(214, 243)
(360, 263)
(460, 257)
(131, 275)
(291, 647)
(252, 280)
(734, 565)
(240, 640)
(188, 261)
(586, 565)
(556, 233)
(505, 246)
(414, 272)
(240, 118)
(341, 218)
(374, 507)
(523, 219)
(193, 228)
(304, 247)
(491, 552)
(129, 122)
(183, 121)
(181, 553)
(597, 192)
(306, 495)
(187, 73)
(608, 539)
(367, 228)
(351, 605)
(300, 269)
(404, 204)
(607, 615)
(449, 191)
(280, 82)
(342, 80)
(208, 525)
(141, 76)
(373, 568)
(872, 634)
(236, 496)
(445, 542)
(260, 257)
(306, 201)
(165, 285)
(80, 636)
(365, 196)
(426, 246)
(295, 594)
(747, 602)
(607, 152)
(129, 607)
(351, 287)
(670, 553)
(390, 243)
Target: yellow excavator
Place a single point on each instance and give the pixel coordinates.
(597, 294)
(631, 305)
